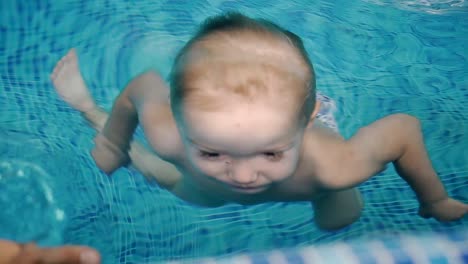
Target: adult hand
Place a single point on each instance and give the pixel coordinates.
(13, 253)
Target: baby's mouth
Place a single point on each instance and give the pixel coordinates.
(248, 189)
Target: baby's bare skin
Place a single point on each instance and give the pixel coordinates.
(328, 171)
(163, 136)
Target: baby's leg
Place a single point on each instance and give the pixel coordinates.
(71, 87)
(338, 209)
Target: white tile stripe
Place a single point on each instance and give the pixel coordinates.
(411, 246)
(210, 261)
(311, 256)
(277, 257)
(346, 252)
(418, 249)
(451, 252)
(239, 260)
(380, 252)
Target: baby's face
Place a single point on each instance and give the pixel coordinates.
(242, 148)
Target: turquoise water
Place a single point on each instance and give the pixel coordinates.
(373, 58)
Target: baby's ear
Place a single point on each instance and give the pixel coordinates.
(313, 115)
(316, 109)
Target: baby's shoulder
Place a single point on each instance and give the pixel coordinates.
(320, 135)
(323, 148)
(160, 129)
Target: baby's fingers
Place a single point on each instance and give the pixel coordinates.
(449, 210)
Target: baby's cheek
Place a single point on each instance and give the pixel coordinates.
(208, 168)
(281, 170)
(285, 169)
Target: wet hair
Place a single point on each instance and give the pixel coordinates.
(211, 65)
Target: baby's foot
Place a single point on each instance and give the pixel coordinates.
(70, 85)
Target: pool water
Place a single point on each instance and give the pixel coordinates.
(373, 58)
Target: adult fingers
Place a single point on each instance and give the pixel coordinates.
(31, 254)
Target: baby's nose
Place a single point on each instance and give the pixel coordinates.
(243, 174)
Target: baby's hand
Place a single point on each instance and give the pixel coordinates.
(444, 210)
(108, 156)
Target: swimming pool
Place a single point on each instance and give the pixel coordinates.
(372, 57)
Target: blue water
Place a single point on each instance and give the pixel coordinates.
(373, 58)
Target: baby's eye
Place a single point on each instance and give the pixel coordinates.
(273, 156)
(209, 155)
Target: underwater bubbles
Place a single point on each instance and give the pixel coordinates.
(28, 210)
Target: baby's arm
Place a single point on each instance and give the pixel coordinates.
(145, 161)
(398, 139)
(112, 144)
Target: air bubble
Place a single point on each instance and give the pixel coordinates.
(28, 208)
